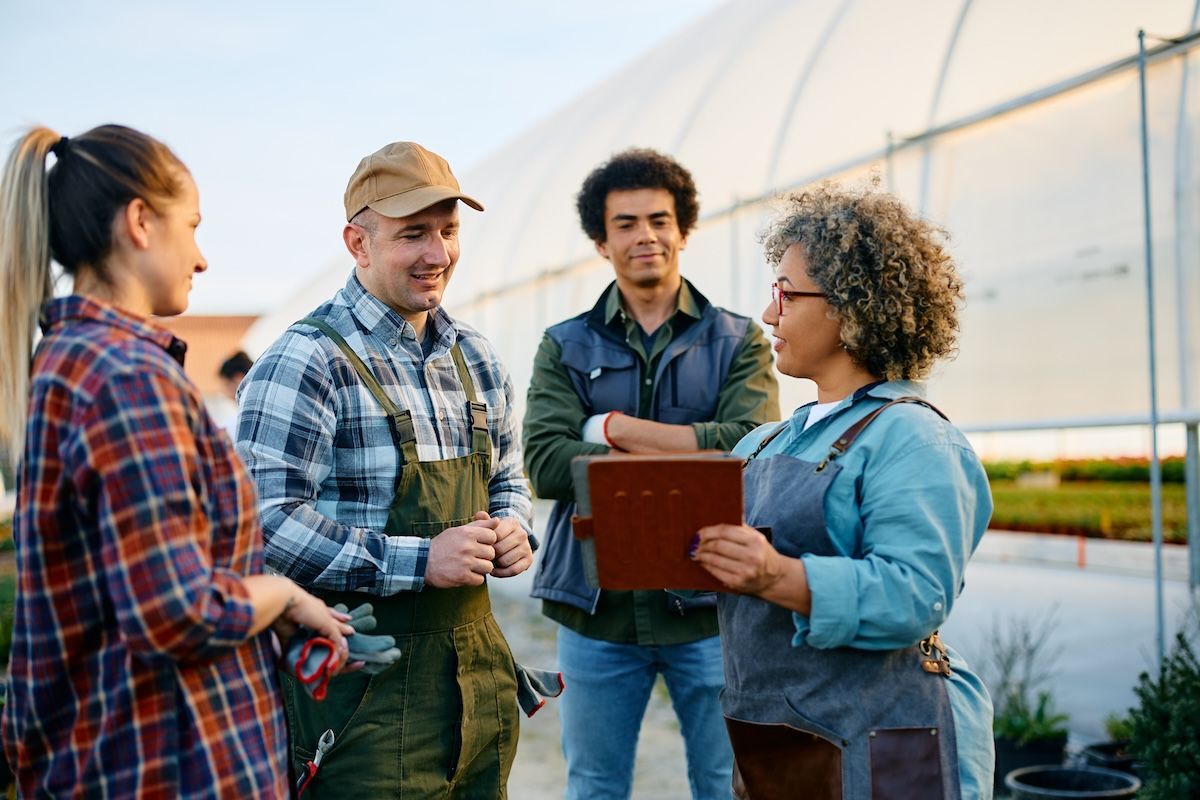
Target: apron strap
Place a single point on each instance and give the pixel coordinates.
(780, 428)
(843, 442)
(401, 421)
(481, 440)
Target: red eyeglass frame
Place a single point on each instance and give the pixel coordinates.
(778, 294)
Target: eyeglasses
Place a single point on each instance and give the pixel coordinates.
(778, 294)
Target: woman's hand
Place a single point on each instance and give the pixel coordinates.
(305, 610)
(742, 559)
(739, 557)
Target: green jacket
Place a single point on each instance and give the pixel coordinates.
(705, 366)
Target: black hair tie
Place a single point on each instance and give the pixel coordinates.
(59, 148)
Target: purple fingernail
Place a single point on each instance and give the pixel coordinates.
(694, 546)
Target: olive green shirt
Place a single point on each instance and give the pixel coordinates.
(554, 420)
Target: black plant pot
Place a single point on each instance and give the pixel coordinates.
(1109, 755)
(1010, 755)
(1083, 783)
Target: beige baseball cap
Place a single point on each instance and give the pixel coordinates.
(400, 179)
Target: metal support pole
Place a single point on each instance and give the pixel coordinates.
(1184, 219)
(736, 278)
(1192, 474)
(1155, 465)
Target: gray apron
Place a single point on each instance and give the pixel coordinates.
(817, 724)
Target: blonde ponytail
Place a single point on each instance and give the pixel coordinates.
(25, 280)
(65, 213)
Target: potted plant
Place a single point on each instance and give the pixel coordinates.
(1028, 734)
(1028, 731)
(1165, 727)
(1114, 752)
(1079, 783)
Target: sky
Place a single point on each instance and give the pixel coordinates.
(272, 104)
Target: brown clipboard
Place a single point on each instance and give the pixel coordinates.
(637, 516)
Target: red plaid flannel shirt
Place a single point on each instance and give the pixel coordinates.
(132, 671)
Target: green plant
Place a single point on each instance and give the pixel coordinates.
(1131, 470)
(1107, 510)
(1118, 727)
(1021, 661)
(8, 584)
(1023, 724)
(1165, 728)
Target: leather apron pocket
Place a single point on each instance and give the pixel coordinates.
(905, 763)
(779, 762)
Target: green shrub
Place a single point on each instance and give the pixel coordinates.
(1165, 728)
(1003, 470)
(1106, 510)
(1121, 470)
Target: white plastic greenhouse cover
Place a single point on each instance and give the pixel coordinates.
(1042, 199)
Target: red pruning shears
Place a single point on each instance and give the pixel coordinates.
(324, 745)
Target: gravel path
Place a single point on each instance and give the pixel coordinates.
(540, 772)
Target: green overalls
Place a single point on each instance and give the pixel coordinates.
(442, 721)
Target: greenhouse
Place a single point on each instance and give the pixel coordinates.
(1014, 125)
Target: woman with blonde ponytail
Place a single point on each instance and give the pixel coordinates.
(142, 665)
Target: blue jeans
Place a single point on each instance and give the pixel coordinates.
(608, 686)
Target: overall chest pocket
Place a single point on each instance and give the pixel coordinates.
(690, 387)
(605, 378)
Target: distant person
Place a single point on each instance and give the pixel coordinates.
(381, 434)
(231, 372)
(653, 367)
(837, 685)
(141, 665)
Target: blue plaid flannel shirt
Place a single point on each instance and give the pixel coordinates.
(319, 447)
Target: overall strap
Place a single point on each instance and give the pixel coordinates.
(843, 442)
(401, 421)
(481, 441)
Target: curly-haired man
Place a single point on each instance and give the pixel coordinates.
(652, 367)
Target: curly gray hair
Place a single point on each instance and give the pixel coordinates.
(891, 284)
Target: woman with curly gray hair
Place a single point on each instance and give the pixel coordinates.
(861, 512)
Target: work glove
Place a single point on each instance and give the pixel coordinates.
(311, 659)
(377, 652)
(534, 686)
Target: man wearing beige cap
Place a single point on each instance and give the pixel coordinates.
(381, 436)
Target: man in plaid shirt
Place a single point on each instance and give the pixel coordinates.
(380, 434)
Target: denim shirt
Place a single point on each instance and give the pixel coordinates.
(906, 513)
